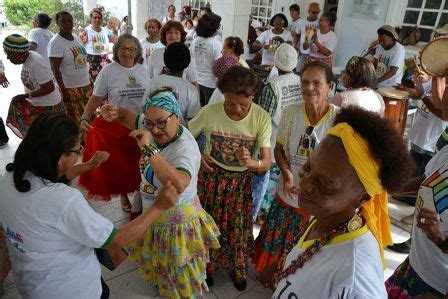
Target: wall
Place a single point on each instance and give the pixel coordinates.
(235, 16)
(118, 8)
(356, 33)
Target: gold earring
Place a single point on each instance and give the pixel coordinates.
(355, 223)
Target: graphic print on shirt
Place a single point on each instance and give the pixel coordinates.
(15, 238)
(224, 146)
(383, 65)
(133, 90)
(433, 194)
(79, 56)
(99, 43)
(25, 77)
(147, 187)
(304, 149)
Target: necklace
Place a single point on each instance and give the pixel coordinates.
(180, 130)
(350, 225)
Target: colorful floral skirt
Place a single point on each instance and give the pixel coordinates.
(227, 197)
(406, 284)
(5, 261)
(22, 113)
(96, 64)
(282, 225)
(120, 173)
(269, 196)
(79, 97)
(174, 252)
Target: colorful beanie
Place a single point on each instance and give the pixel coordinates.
(15, 43)
(165, 100)
(222, 65)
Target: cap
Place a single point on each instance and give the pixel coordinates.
(389, 29)
(285, 58)
(314, 6)
(16, 43)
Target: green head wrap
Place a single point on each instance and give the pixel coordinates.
(165, 100)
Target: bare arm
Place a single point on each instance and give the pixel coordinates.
(257, 45)
(389, 74)
(32, 46)
(55, 63)
(322, 48)
(280, 157)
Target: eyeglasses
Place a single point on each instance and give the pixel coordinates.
(158, 124)
(78, 151)
(131, 50)
(307, 139)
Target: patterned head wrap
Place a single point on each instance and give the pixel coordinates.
(165, 100)
(222, 65)
(16, 43)
(352, 64)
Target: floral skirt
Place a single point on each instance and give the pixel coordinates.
(174, 252)
(227, 197)
(120, 173)
(79, 96)
(22, 113)
(96, 64)
(5, 261)
(282, 225)
(406, 284)
(274, 176)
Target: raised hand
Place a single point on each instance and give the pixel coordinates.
(143, 137)
(110, 112)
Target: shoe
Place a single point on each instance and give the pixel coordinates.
(240, 283)
(209, 280)
(399, 247)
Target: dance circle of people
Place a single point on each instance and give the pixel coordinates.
(200, 145)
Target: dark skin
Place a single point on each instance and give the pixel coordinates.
(387, 43)
(278, 29)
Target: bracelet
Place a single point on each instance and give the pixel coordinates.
(149, 150)
(259, 163)
(86, 119)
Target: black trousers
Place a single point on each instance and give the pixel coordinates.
(205, 93)
(3, 136)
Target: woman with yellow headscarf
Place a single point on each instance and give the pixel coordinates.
(343, 186)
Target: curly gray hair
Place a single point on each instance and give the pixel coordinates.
(120, 40)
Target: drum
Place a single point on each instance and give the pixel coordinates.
(396, 106)
(433, 57)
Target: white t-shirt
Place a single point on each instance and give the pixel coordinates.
(364, 98)
(168, 18)
(329, 41)
(291, 134)
(51, 233)
(266, 39)
(426, 129)
(217, 96)
(149, 47)
(428, 260)
(125, 87)
(394, 57)
(184, 155)
(74, 70)
(349, 267)
(97, 42)
(205, 51)
(303, 28)
(36, 71)
(41, 37)
(294, 25)
(156, 65)
(187, 95)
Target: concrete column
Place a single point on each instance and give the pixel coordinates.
(88, 5)
(140, 12)
(235, 17)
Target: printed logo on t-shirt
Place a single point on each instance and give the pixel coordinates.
(25, 77)
(99, 43)
(224, 146)
(147, 187)
(79, 56)
(304, 149)
(133, 90)
(383, 65)
(16, 239)
(438, 185)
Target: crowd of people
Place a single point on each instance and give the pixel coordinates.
(199, 145)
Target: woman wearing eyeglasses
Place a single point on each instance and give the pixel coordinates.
(302, 126)
(173, 252)
(125, 83)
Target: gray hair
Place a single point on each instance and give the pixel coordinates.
(120, 40)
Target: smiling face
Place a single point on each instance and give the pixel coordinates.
(329, 185)
(152, 28)
(159, 117)
(385, 41)
(278, 23)
(172, 36)
(65, 24)
(315, 87)
(127, 51)
(171, 10)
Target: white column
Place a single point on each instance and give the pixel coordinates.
(88, 5)
(139, 15)
(235, 17)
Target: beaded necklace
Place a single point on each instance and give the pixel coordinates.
(309, 252)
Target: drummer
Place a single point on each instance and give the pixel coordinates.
(389, 58)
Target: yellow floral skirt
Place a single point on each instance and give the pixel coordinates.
(174, 252)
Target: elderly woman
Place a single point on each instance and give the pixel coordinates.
(40, 36)
(359, 78)
(233, 46)
(96, 39)
(324, 43)
(152, 41)
(171, 32)
(174, 251)
(301, 128)
(343, 185)
(41, 93)
(68, 59)
(205, 49)
(51, 230)
(269, 39)
(236, 130)
(125, 83)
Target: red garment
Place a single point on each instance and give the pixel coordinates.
(120, 173)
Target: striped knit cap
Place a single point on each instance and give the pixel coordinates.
(15, 43)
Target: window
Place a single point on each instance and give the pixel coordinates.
(262, 10)
(197, 4)
(426, 15)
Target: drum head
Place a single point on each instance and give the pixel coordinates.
(434, 58)
(393, 93)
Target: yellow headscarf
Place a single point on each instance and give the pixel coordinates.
(375, 210)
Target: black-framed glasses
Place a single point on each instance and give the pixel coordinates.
(131, 50)
(78, 151)
(158, 124)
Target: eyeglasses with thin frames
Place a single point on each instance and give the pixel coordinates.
(158, 124)
(131, 50)
(78, 151)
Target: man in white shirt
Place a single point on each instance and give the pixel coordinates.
(304, 28)
(389, 58)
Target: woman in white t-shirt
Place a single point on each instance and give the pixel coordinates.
(40, 36)
(191, 31)
(171, 15)
(300, 129)
(123, 82)
(343, 185)
(125, 27)
(68, 60)
(173, 253)
(271, 39)
(324, 43)
(41, 92)
(205, 49)
(359, 79)
(51, 231)
(96, 39)
(152, 41)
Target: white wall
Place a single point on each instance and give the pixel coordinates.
(235, 17)
(356, 33)
(118, 8)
